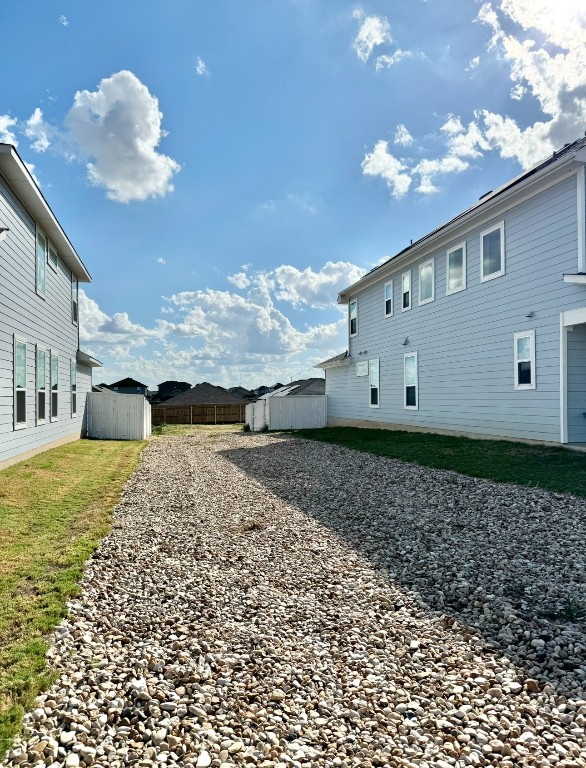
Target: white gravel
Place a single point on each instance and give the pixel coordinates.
(267, 601)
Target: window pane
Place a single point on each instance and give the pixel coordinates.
(491, 252)
(73, 376)
(410, 396)
(524, 348)
(374, 395)
(41, 260)
(373, 366)
(410, 371)
(41, 407)
(426, 282)
(388, 306)
(21, 407)
(54, 372)
(54, 405)
(406, 283)
(52, 257)
(389, 291)
(524, 372)
(41, 373)
(20, 367)
(353, 326)
(456, 269)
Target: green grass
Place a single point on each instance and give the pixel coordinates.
(557, 469)
(54, 508)
(193, 429)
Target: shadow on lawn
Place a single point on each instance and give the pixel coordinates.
(509, 562)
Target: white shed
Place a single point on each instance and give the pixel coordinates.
(298, 412)
(113, 416)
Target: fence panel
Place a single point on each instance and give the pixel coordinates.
(198, 414)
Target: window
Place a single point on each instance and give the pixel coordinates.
(74, 296)
(426, 282)
(406, 291)
(41, 385)
(53, 258)
(411, 381)
(456, 269)
(492, 252)
(73, 387)
(389, 298)
(525, 360)
(19, 383)
(373, 378)
(54, 387)
(41, 261)
(353, 311)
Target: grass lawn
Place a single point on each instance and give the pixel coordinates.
(54, 508)
(557, 469)
(193, 429)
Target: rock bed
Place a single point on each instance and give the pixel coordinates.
(267, 601)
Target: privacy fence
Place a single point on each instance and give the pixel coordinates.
(198, 414)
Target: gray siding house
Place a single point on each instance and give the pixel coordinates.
(479, 328)
(44, 377)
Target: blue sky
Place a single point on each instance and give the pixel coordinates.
(224, 168)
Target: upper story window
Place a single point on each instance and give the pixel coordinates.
(389, 298)
(525, 360)
(74, 298)
(456, 269)
(19, 383)
(41, 261)
(52, 257)
(353, 314)
(492, 252)
(54, 387)
(406, 291)
(426, 282)
(41, 385)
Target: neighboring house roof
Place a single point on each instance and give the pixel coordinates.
(241, 392)
(206, 394)
(576, 151)
(170, 386)
(127, 383)
(313, 386)
(20, 179)
(335, 362)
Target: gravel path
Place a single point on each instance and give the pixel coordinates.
(267, 601)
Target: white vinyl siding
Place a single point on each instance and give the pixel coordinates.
(389, 299)
(353, 317)
(456, 269)
(73, 388)
(492, 252)
(374, 383)
(406, 291)
(41, 386)
(19, 383)
(426, 282)
(525, 360)
(54, 386)
(74, 299)
(41, 263)
(410, 381)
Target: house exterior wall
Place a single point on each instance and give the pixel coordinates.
(45, 323)
(577, 384)
(465, 341)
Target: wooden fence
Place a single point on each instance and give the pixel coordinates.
(198, 414)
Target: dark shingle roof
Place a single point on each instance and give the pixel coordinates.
(241, 392)
(206, 394)
(127, 383)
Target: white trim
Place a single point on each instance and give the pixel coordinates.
(421, 266)
(389, 314)
(500, 226)
(574, 317)
(451, 250)
(19, 424)
(581, 204)
(563, 381)
(416, 406)
(352, 301)
(56, 356)
(370, 386)
(404, 275)
(37, 390)
(40, 234)
(531, 359)
(576, 279)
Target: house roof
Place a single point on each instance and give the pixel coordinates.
(127, 383)
(335, 362)
(575, 151)
(21, 181)
(206, 394)
(241, 392)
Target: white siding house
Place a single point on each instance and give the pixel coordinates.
(44, 377)
(479, 328)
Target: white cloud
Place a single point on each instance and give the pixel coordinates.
(388, 60)
(201, 67)
(315, 289)
(38, 131)
(473, 64)
(7, 135)
(402, 136)
(64, 21)
(240, 280)
(374, 31)
(380, 162)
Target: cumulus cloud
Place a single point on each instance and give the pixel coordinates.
(38, 131)
(201, 67)
(161, 260)
(315, 289)
(240, 280)
(380, 162)
(7, 135)
(64, 21)
(402, 136)
(374, 31)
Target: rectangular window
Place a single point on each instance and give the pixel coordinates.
(426, 282)
(406, 291)
(73, 387)
(41, 385)
(411, 381)
(54, 387)
(492, 252)
(374, 379)
(53, 258)
(74, 298)
(353, 313)
(41, 262)
(456, 269)
(389, 298)
(19, 383)
(525, 360)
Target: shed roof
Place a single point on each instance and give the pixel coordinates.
(206, 394)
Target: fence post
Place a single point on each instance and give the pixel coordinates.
(215, 414)
(191, 414)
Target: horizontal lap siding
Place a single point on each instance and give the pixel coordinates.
(37, 320)
(464, 340)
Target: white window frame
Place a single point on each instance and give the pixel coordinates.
(392, 298)
(19, 424)
(501, 227)
(38, 390)
(74, 299)
(73, 387)
(56, 391)
(416, 406)
(41, 264)
(421, 266)
(370, 386)
(352, 301)
(52, 249)
(523, 335)
(461, 246)
(403, 276)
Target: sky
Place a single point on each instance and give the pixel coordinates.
(225, 167)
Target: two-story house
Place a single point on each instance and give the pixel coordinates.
(44, 377)
(478, 328)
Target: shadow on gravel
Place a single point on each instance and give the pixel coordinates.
(508, 561)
